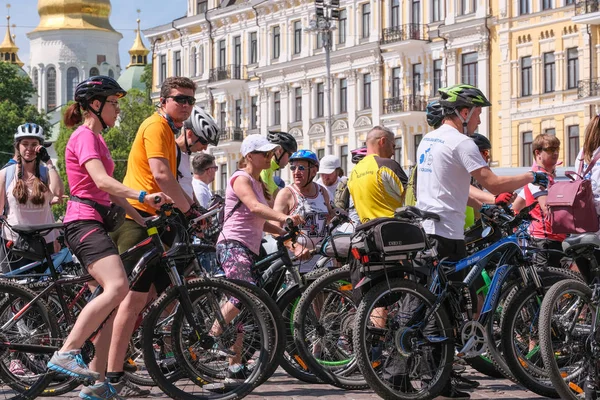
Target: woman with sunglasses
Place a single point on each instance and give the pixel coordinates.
(247, 216)
(309, 200)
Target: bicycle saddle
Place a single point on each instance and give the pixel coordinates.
(578, 241)
(31, 229)
(414, 212)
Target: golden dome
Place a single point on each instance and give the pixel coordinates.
(8, 48)
(138, 51)
(74, 14)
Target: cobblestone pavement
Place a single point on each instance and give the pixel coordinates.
(281, 386)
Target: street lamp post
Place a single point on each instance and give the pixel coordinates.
(326, 13)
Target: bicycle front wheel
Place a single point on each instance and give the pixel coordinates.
(402, 355)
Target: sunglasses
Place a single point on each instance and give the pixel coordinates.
(300, 168)
(267, 154)
(182, 99)
(551, 149)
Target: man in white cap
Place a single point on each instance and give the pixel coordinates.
(328, 176)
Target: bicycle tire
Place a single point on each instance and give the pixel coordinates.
(197, 288)
(522, 366)
(547, 329)
(31, 389)
(326, 371)
(444, 343)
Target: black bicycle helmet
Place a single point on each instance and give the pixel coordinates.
(97, 88)
(435, 114)
(481, 141)
(284, 139)
(204, 126)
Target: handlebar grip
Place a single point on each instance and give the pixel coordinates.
(156, 199)
(289, 223)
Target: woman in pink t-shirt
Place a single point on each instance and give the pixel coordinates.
(89, 170)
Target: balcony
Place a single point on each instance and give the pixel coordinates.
(587, 12)
(228, 75)
(405, 104)
(404, 35)
(232, 135)
(588, 88)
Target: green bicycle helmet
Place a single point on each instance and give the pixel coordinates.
(462, 95)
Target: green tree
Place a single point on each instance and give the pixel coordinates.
(146, 78)
(16, 92)
(135, 108)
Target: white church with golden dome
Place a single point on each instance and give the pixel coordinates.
(73, 41)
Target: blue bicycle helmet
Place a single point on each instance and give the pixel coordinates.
(305, 155)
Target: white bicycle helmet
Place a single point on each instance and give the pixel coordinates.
(204, 126)
(30, 130)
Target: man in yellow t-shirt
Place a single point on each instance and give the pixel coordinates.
(151, 167)
(377, 182)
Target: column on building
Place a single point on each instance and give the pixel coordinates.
(376, 97)
(263, 117)
(284, 91)
(376, 19)
(335, 96)
(561, 72)
(352, 94)
(536, 70)
(61, 87)
(306, 103)
(42, 86)
(451, 73)
(483, 71)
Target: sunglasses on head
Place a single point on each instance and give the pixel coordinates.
(182, 99)
(298, 167)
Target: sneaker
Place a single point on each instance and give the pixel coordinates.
(125, 388)
(71, 363)
(454, 394)
(462, 383)
(240, 374)
(99, 391)
(212, 343)
(16, 368)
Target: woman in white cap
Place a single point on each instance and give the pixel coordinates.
(247, 216)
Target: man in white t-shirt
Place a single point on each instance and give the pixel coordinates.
(446, 160)
(328, 176)
(204, 174)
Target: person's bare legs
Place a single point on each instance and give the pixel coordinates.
(110, 274)
(102, 343)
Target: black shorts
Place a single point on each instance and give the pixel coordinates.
(452, 250)
(89, 241)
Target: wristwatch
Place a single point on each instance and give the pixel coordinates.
(51, 167)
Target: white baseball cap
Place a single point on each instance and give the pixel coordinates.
(256, 142)
(328, 164)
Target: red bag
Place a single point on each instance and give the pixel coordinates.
(571, 203)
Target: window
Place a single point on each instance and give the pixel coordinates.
(342, 26)
(418, 139)
(469, 68)
(253, 111)
(417, 75)
(298, 104)
(72, 81)
(238, 113)
(569, 2)
(526, 81)
(572, 68)
(51, 88)
(276, 108)
(276, 42)
(222, 53)
(297, 37)
(223, 179)
(366, 20)
(320, 153)
(416, 12)
(94, 71)
(437, 76)
(527, 148)
(163, 68)
(193, 62)
(573, 131)
(524, 7)
(177, 57)
(320, 99)
(34, 74)
(253, 48)
(343, 96)
(549, 72)
(436, 12)
(223, 115)
(344, 157)
(201, 60)
(366, 91)
(319, 40)
(398, 150)
(396, 82)
(202, 6)
(546, 4)
(395, 13)
(111, 74)
(550, 131)
(237, 54)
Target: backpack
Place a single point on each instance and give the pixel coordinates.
(341, 199)
(410, 194)
(571, 207)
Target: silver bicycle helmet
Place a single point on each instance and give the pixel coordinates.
(204, 126)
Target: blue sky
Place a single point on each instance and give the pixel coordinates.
(153, 12)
